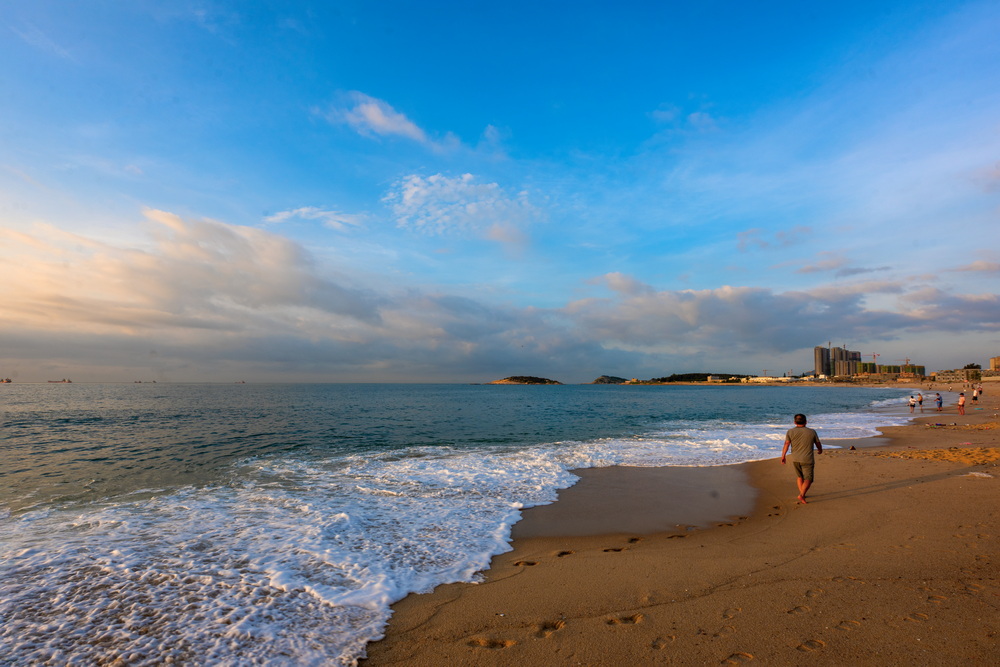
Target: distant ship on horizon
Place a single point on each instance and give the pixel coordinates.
(63, 381)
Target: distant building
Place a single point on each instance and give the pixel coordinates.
(995, 363)
(836, 361)
(821, 360)
(958, 375)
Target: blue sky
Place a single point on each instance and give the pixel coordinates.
(450, 191)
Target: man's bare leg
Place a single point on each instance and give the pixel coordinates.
(803, 485)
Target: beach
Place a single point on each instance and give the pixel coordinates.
(894, 560)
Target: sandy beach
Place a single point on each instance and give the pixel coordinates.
(895, 560)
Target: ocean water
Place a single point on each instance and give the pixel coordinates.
(275, 524)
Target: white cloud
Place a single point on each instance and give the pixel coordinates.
(439, 205)
(371, 116)
(332, 219)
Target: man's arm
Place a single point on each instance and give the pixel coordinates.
(784, 450)
(819, 446)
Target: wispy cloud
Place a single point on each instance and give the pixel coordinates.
(830, 261)
(442, 205)
(332, 219)
(40, 40)
(783, 238)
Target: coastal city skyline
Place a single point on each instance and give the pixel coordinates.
(221, 191)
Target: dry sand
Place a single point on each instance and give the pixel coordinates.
(895, 560)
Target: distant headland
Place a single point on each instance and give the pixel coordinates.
(524, 379)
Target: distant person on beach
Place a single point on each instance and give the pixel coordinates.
(939, 401)
(913, 403)
(975, 395)
(961, 403)
(801, 440)
(920, 401)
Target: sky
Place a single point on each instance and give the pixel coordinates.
(453, 191)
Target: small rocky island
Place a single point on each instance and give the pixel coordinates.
(524, 379)
(609, 379)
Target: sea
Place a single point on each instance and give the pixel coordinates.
(274, 524)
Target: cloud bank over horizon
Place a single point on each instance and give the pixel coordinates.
(206, 300)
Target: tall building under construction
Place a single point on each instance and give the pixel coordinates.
(836, 361)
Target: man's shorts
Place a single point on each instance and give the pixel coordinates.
(804, 470)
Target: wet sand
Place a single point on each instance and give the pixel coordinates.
(895, 560)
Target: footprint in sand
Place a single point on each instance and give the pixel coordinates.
(916, 618)
(626, 620)
(814, 592)
(847, 625)
(811, 645)
(492, 643)
(798, 610)
(738, 659)
(564, 553)
(525, 563)
(936, 599)
(633, 540)
(672, 537)
(724, 631)
(614, 549)
(661, 643)
(546, 629)
(731, 612)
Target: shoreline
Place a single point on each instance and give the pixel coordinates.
(894, 559)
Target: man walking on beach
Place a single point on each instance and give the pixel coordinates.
(801, 440)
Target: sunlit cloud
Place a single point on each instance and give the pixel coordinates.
(194, 275)
(370, 116)
(980, 266)
(830, 262)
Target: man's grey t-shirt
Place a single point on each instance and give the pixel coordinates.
(802, 439)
